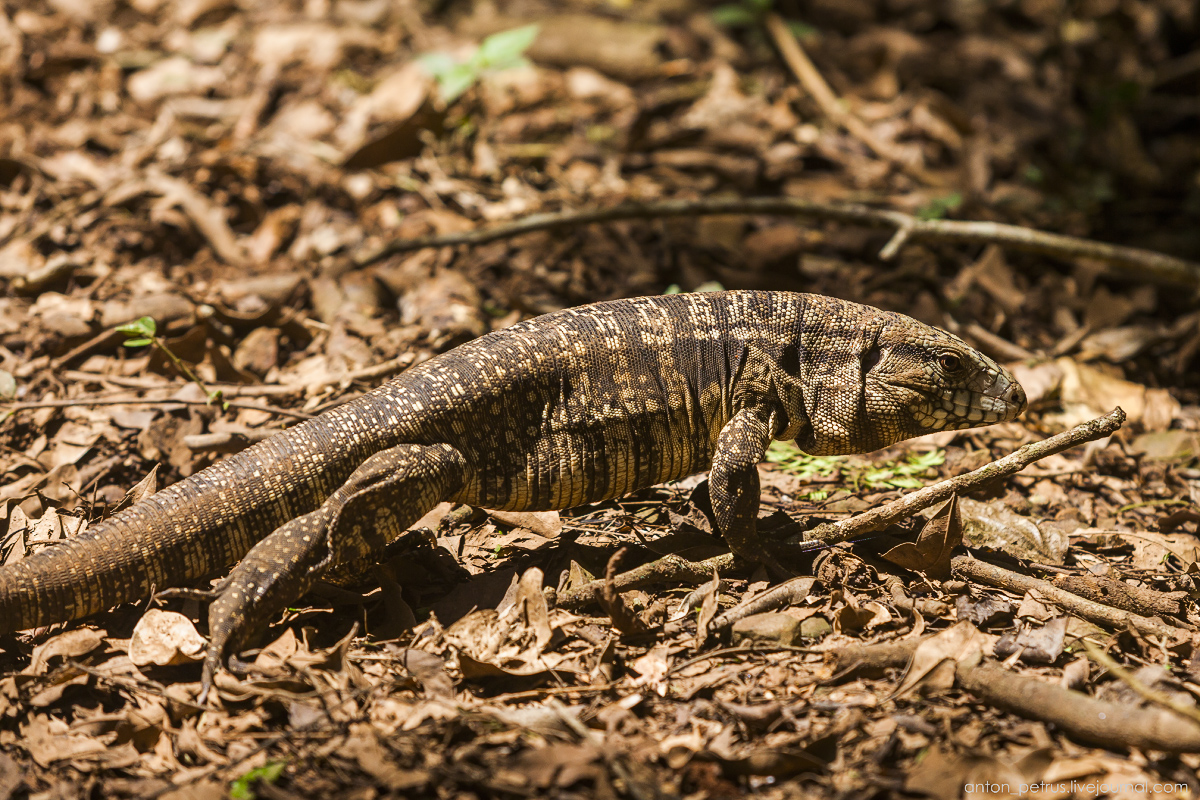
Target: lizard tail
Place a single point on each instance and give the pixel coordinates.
(186, 531)
(122, 559)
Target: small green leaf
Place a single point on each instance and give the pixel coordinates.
(243, 787)
(138, 342)
(710, 286)
(452, 84)
(904, 482)
(732, 16)
(801, 30)
(503, 50)
(927, 460)
(144, 328)
(437, 64)
(939, 207)
(673, 289)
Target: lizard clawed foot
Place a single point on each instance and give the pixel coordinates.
(275, 572)
(386, 493)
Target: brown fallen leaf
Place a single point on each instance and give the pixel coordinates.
(68, 645)
(963, 643)
(165, 638)
(931, 552)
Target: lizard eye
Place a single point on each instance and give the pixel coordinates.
(949, 362)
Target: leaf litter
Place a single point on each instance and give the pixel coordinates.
(216, 168)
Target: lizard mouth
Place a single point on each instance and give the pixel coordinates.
(1001, 400)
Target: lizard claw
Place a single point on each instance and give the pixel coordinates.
(275, 572)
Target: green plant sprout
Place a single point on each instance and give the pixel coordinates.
(889, 475)
(904, 475)
(144, 331)
(500, 51)
(707, 286)
(789, 459)
(939, 207)
(750, 14)
(243, 787)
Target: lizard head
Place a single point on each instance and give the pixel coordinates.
(910, 379)
(925, 380)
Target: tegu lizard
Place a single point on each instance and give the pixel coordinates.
(572, 407)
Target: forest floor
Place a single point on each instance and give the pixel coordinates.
(241, 172)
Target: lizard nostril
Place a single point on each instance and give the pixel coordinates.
(1017, 396)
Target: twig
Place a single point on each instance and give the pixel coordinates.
(1118, 594)
(831, 105)
(623, 619)
(135, 401)
(751, 649)
(879, 518)
(1105, 660)
(1098, 613)
(1116, 725)
(785, 594)
(669, 568)
(1134, 263)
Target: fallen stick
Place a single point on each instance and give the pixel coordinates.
(1115, 725)
(788, 593)
(669, 568)
(1098, 613)
(1133, 262)
(1145, 692)
(879, 518)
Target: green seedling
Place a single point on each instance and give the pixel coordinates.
(906, 474)
(243, 787)
(750, 13)
(940, 207)
(143, 332)
(498, 52)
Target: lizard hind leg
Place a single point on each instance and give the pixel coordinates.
(388, 492)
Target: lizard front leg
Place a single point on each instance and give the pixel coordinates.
(734, 486)
(386, 494)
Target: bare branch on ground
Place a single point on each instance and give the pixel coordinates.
(1105, 660)
(1098, 613)
(1129, 262)
(1116, 725)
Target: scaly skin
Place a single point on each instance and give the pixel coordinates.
(573, 407)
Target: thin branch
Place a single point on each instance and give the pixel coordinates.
(135, 401)
(879, 518)
(1131, 262)
(1116, 725)
(1097, 613)
(668, 569)
(831, 105)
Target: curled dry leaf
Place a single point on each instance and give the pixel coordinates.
(931, 552)
(997, 527)
(165, 638)
(68, 645)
